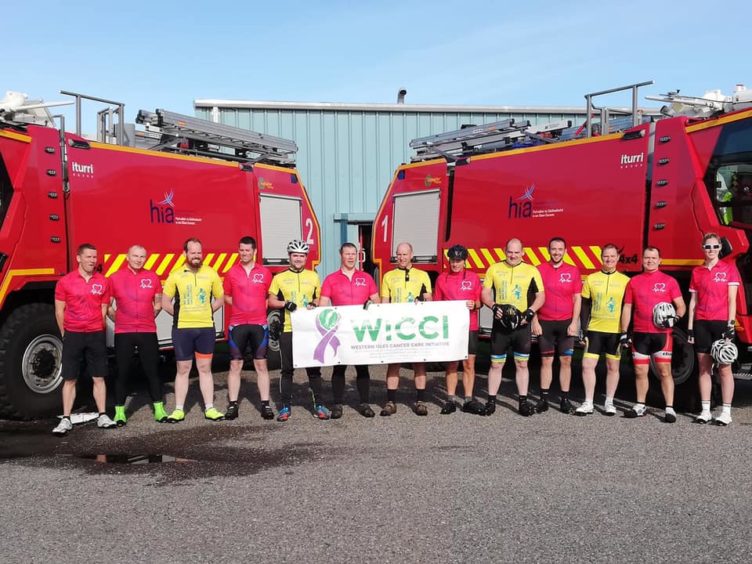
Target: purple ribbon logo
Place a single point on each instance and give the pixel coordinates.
(327, 323)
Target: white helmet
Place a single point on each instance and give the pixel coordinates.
(297, 246)
(664, 315)
(724, 351)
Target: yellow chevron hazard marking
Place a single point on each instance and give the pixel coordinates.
(488, 256)
(117, 263)
(178, 263)
(535, 261)
(165, 262)
(544, 253)
(107, 257)
(586, 262)
(473, 254)
(596, 250)
(150, 261)
(500, 253)
(228, 266)
(208, 259)
(218, 263)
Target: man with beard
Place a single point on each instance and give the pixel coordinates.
(197, 293)
(557, 322)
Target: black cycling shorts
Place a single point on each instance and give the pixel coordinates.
(707, 332)
(598, 343)
(472, 343)
(502, 339)
(243, 336)
(80, 346)
(190, 341)
(657, 345)
(555, 339)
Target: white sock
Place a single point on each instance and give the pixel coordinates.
(179, 407)
(670, 410)
(609, 401)
(705, 406)
(726, 408)
(208, 406)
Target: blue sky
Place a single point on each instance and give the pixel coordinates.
(166, 54)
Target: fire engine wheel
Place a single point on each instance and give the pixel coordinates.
(274, 320)
(30, 362)
(684, 371)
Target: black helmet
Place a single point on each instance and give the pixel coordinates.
(457, 252)
(511, 317)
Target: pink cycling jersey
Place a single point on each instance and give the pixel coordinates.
(646, 290)
(561, 284)
(463, 286)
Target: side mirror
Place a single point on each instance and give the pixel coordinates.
(725, 248)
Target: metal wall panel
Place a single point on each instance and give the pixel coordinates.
(346, 157)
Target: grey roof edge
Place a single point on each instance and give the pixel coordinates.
(406, 108)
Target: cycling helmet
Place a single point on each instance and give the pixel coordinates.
(457, 252)
(664, 315)
(296, 246)
(510, 317)
(724, 351)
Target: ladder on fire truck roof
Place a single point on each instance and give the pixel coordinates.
(486, 138)
(203, 135)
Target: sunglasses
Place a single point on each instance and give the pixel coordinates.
(711, 247)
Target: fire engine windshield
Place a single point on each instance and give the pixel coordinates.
(733, 193)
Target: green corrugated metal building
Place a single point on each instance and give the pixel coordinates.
(348, 152)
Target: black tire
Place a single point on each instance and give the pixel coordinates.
(273, 360)
(30, 363)
(685, 371)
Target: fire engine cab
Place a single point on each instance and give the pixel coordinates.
(622, 177)
(180, 177)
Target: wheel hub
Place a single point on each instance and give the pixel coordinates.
(42, 364)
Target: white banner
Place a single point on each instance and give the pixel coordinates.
(384, 333)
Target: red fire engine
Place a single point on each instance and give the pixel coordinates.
(632, 180)
(192, 178)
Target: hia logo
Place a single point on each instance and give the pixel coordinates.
(163, 211)
(522, 207)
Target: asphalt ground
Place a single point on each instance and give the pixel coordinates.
(451, 488)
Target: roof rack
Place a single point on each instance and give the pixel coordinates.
(208, 138)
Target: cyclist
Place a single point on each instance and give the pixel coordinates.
(293, 288)
(458, 283)
(602, 297)
(405, 284)
(192, 293)
(81, 300)
(712, 310)
(349, 286)
(512, 283)
(246, 287)
(136, 301)
(652, 336)
(557, 322)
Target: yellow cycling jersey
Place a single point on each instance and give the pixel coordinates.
(606, 292)
(299, 287)
(193, 293)
(404, 286)
(512, 284)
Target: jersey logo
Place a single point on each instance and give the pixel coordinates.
(258, 278)
(97, 289)
(517, 292)
(466, 286)
(360, 282)
(659, 287)
(146, 283)
(565, 277)
(719, 277)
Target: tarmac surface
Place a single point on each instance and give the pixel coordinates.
(441, 488)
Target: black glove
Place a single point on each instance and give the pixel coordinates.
(528, 315)
(691, 336)
(291, 306)
(496, 309)
(730, 331)
(624, 341)
(368, 302)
